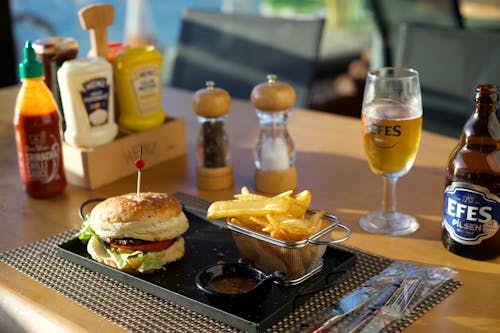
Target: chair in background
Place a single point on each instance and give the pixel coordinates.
(237, 52)
(390, 14)
(451, 63)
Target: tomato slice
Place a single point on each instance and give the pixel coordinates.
(148, 247)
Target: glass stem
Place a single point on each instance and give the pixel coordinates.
(389, 202)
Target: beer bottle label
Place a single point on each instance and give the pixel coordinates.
(470, 213)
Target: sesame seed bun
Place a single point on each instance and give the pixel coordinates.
(149, 217)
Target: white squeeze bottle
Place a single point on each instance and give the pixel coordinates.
(86, 87)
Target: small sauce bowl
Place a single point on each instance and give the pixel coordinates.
(228, 282)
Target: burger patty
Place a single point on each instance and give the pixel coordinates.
(133, 244)
(126, 241)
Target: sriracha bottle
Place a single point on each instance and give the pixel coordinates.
(37, 126)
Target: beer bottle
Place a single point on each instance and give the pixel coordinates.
(471, 209)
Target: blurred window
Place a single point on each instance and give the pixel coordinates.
(35, 19)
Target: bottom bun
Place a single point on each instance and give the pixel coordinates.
(173, 253)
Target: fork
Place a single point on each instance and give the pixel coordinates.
(399, 301)
(393, 300)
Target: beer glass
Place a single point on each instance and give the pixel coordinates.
(391, 127)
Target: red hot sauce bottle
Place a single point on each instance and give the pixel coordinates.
(37, 126)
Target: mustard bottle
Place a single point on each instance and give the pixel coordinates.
(137, 73)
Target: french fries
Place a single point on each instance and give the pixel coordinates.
(258, 207)
(282, 216)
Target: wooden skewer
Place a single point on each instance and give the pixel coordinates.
(139, 165)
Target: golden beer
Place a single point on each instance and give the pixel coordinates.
(391, 144)
(391, 128)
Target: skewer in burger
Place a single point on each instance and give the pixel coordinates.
(135, 233)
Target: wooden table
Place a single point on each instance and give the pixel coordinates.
(330, 162)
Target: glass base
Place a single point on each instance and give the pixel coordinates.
(393, 224)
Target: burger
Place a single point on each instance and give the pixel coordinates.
(135, 233)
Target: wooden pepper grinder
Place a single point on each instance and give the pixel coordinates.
(214, 170)
(274, 153)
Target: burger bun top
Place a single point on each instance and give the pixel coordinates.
(147, 216)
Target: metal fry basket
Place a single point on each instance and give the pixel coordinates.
(298, 260)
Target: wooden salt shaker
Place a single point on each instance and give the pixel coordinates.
(214, 170)
(274, 153)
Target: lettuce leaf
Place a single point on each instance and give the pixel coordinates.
(151, 260)
(122, 257)
(142, 261)
(85, 232)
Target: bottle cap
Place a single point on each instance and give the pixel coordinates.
(57, 45)
(211, 102)
(30, 67)
(486, 93)
(273, 95)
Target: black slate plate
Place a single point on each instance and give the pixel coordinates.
(207, 244)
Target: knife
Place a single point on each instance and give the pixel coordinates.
(346, 305)
(378, 301)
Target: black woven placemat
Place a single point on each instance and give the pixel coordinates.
(138, 311)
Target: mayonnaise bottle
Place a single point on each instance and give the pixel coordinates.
(86, 87)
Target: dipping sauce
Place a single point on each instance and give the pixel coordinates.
(232, 283)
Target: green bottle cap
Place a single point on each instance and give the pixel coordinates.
(30, 67)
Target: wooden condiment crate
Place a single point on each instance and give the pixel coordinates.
(95, 167)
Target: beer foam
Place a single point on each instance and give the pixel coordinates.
(387, 109)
